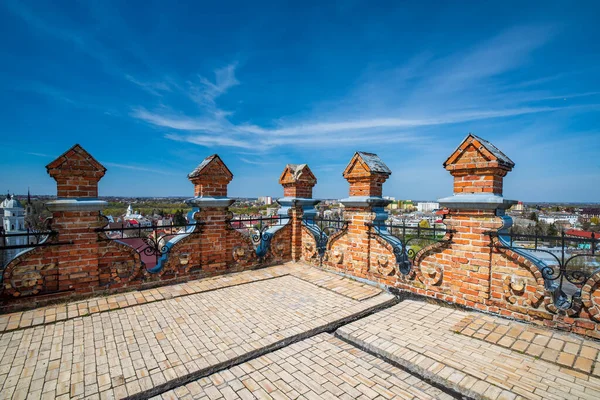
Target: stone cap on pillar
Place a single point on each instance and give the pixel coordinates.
(211, 177)
(77, 174)
(366, 173)
(297, 181)
(478, 167)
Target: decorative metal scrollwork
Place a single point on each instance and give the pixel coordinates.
(566, 264)
(260, 231)
(153, 241)
(322, 229)
(406, 241)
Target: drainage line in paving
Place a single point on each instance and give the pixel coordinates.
(193, 376)
(449, 391)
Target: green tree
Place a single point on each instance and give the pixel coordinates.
(179, 218)
(552, 230)
(424, 224)
(595, 220)
(533, 216)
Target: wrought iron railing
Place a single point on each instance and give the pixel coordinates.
(13, 244)
(322, 229)
(407, 240)
(153, 241)
(260, 230)
(566, 262)
(31, 238)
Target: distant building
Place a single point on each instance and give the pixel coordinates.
(407, 205)
(266, 200)
(518, 207)
(392, 206)
(135, 218)
(556, 217)
(427, 207)
(589, 213)
(13, 222)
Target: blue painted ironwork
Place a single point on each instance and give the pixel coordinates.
(260, 230)
(322, 229)
(407, 240)
(154, 244)
(566, 262)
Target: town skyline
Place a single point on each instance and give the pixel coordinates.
(310, 85)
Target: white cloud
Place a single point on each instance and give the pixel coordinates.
(387, 107)
(137, 168)
(38, 154)
(205, 92)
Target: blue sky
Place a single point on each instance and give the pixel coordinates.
(151, 88)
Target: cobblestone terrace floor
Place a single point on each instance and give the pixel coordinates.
(477, 355)
(289, 331)
(145, 344)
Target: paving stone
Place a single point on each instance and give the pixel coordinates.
(171, 338)
(330, 352)
(418, 330)
(47, 315)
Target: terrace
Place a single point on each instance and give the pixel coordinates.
(298, 306)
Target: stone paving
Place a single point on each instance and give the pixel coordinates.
(260, 334)
(138, 348)
(553, 346)
(62, 312)
(419, 336)
(321, 367)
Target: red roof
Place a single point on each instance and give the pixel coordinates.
(442, 212)
(582, 234)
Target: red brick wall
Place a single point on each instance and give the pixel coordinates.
(478, 184)
(119, 265)
(203, 188)
(465, 271)
(367, 186)
(297, 190)
(281, 246)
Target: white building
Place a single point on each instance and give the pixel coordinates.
(13, 222)
(555, 217)
(135, 218)
(427, 207)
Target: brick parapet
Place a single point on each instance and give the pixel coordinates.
(465, 269)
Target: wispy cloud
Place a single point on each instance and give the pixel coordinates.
(155, 88)
(253, 162)
(210, 132)
(387, 107)
(205, 92)
(137, 168)
(39, 154)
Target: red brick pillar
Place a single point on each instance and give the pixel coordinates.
(75, 216)
(210, 181)
(366, 174)
(477, 207)
(297, 181)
